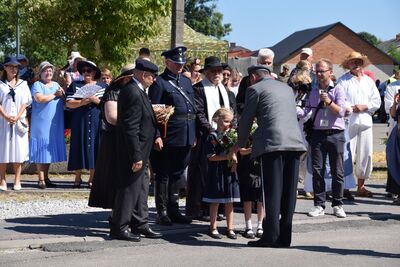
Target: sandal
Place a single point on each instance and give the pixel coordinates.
(364, 193)
(42, 184)
(215, 234)
(231, 234)
(248, 233)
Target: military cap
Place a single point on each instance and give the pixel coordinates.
(145, 65)
(177, 54)
(254, 68)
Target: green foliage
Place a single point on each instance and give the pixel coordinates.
(102, 30)
(394, 52)
(372, 39)
(201, 15)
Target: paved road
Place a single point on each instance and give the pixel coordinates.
(369, 236)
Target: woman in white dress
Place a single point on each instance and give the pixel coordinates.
(15, 97)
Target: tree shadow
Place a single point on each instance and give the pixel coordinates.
(345, 252)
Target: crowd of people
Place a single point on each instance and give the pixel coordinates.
(225, 140)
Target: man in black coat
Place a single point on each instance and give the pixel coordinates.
(136, 131)
(172, 146)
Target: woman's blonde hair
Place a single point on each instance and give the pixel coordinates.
(222, 112)
(303, 73)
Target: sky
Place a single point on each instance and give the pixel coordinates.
(263, 23)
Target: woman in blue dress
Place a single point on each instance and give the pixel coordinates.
(47, 143)
(393, 152)
(85, 121)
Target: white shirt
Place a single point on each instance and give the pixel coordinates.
(361, 92)
(391, 90)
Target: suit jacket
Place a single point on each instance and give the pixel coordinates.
(136, 129)
(203, 125)
(272, 103)
(180, 132)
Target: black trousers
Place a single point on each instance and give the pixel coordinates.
(326, 143)
(129, 209)
(280, 176)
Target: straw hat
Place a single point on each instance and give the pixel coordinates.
(355, 55)
(44, 65)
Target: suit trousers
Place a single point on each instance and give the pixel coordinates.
(280, 177)
(129, 200)
(140, 216)
(324, 144)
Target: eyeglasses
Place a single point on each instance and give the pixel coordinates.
(87, 70)
(321, 71)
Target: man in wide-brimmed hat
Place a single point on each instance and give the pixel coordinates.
(363, 97)
(210, 95)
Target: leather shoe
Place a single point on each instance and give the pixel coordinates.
(125, 235)
(49, 183)
(163, 220)
(179, 218)
(147, 233)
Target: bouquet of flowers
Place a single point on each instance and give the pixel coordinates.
(67, 136)
(227, 140)
(163, 113)
(252, 132)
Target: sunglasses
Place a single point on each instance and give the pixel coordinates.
(87, 70)
(321, 71)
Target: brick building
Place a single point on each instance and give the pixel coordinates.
(335, 42)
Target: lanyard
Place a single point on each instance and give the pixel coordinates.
(182, 93)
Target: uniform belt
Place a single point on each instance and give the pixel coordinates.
(188, 117)
(330, 131)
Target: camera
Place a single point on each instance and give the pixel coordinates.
(321, 91)
(303, 103)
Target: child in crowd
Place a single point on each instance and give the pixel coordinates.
(221, 183)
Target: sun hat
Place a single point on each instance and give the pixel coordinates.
(355, 55)
(90, 64)
(44, 65)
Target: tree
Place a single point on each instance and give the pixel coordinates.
(201, 15)
(394, 51)
(102, 30)
(372, 39)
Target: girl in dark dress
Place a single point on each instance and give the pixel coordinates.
(222, 185)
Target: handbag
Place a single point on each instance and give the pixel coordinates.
(22, 127)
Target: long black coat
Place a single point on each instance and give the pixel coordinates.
(136, 127)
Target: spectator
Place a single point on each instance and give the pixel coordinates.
(15, 97)
(144, 53)
(47, 144)
(106, 76)
(25, 72)
(284, 75)
(84, 122)
(363, 96)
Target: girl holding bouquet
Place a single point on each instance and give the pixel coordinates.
(222, 184)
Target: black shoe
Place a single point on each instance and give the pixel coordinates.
(179, 218)
(347, 194)
(248, 233)
(231, 234)
(163, 220)
(125, 235)
(77, 184)
(49, 183)
(147, 233)
(221, 217)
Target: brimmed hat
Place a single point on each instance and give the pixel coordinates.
(212, 62)
(44, 65)
(11, 60)
(176, 54)
(307, 51)
(22, 57)
(355, 55)
(90, 64)
(254, 68)
(74, 55)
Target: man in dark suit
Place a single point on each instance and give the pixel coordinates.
(171, 153)
(136, 126)
(272, 103)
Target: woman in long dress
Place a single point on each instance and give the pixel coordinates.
(15, 97)
(46, 144)
(85, 122)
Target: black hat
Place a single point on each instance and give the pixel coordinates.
(90, 64)
(11, 60)
(212, 62)
(176, 54)
(145, 65)
(254, 68)
(22, 57)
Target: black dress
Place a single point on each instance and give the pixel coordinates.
(103, 191)
(222, 185)
(249, 173)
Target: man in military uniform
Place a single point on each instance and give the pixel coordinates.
(171, 152)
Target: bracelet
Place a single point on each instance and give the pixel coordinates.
(330, 103)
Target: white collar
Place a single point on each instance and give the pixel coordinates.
(138, 83)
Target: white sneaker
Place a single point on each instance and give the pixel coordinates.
(316, 211)
(339, 212)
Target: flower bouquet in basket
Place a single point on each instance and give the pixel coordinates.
(163, 113)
